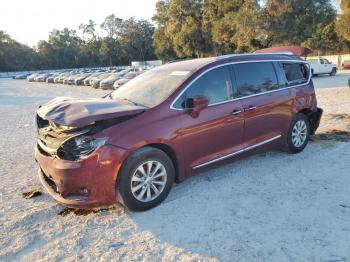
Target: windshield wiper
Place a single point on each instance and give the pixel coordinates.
(132, 102)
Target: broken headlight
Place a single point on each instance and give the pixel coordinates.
(80, 147)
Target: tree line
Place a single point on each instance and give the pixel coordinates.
(198, 28)
(187, 29)
(114, 42)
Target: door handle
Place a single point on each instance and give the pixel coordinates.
(236, 112)
(250, 108)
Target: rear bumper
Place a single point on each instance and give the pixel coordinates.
(315, 119)
(87, 183)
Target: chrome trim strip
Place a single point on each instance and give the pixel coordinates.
(254, 54)
(237, 152)
(240, 98)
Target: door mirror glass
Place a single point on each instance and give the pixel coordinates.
(196, 105)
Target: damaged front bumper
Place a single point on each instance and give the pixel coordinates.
(86, 183)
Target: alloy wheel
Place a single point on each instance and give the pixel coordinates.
(148, 181)
(299, 133)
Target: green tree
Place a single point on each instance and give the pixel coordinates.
(184, 28)
(325, 39)
(235, 26)
(161, 42)
(295, 21)
(89, 29)
(136, 39)
(343, 23)
(112, 25)
(14, 55)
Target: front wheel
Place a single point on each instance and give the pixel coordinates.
(298, 134)
(145, 179)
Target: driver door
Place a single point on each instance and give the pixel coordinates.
(218, 129)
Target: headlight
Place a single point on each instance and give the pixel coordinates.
(80, 147)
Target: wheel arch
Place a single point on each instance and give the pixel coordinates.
(314, 118)
(170, 152)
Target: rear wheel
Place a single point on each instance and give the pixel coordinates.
(145, 179)
(334, 71)
(298, 134)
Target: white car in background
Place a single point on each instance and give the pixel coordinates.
(322, 66)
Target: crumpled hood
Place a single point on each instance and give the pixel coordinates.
(82, 112)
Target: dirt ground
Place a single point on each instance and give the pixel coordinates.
(269, 207)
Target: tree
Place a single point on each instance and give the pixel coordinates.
(184, 28)
(14, 55)
(343, 23)
(136, 38)
(112, 26)
(324, 38)
(89, 29)
(161, 42)
(294, 21)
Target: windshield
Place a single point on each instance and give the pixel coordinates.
(152, 87)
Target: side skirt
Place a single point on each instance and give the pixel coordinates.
(237, 152)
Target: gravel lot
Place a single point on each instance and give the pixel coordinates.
(270, 207)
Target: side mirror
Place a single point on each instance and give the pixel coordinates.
(196, 105)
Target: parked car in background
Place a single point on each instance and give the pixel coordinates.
(31, 78)
(95, 83)
(42, 77)
(108, 82)
(59, 78)
(345, 65)
(322, 66)
(51, 79)
(79, 80)
(171, 122)
(125, 79)
(21, 76)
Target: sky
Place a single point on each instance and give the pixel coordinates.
(31, 21)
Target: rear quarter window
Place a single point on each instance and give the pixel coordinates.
(296, 73)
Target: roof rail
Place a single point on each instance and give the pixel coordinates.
(252, 54)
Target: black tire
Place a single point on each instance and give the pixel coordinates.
(291, 146)
(129, 167)
(334, 71)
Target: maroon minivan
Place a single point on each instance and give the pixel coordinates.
(170, 123)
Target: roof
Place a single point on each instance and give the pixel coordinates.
(195, 64)
(294, 49)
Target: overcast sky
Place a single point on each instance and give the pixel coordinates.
(31, 21)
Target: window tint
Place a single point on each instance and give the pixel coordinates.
(255, 78)
(215, 84)
(296, 73)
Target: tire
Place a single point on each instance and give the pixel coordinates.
(334, 71)
(130, 177)
(299, 125)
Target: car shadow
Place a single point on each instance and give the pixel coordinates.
(224, 212)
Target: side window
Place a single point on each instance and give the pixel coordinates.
(322, 61)
(215, 84)
(296, 73)
(254, 78)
